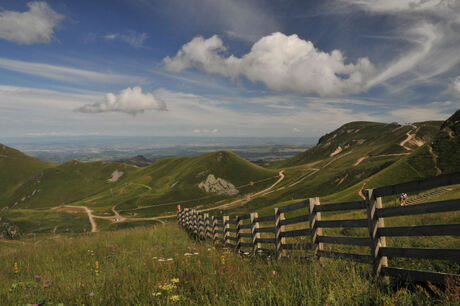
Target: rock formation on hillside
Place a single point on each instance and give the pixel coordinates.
(218, 185)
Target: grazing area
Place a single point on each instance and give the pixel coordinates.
(163, 265)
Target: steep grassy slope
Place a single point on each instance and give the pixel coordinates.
(446, 145)
(351, 154)
(15, 169)
(368, 138)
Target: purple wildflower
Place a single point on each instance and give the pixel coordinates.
(45, 286)
(26, 296)
(47, 281)
(37, 277)
(91, 294)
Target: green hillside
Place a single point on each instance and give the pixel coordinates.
(158, 188)
(446, 145)
(67, 183)
(15, 169)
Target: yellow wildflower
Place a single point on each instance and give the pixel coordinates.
(175, 280)
(175, 298)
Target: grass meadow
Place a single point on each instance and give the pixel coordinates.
(163, 265)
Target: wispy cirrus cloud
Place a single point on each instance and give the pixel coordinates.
(132, 38)
(37, 25)
(63, 73)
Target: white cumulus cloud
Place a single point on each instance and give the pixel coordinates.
(130, 100)
(33, 26)
(281, 62)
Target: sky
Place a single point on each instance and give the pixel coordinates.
(264, 68)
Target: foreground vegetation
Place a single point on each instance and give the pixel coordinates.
(162, 265)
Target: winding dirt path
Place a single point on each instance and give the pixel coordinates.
(238, 202)
(90, 216)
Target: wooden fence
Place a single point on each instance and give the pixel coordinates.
(244, 232)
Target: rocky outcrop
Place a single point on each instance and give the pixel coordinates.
(218, 185)
(9, 231)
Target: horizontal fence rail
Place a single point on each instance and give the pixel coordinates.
(254, 234)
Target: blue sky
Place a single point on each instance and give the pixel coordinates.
(224, 67)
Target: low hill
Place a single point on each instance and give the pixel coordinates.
(15, 169)
(68, 182)
(138, 160)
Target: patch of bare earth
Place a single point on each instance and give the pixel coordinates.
(337, 151)
(115, 176)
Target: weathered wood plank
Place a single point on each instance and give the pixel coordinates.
(245, 235)
(265, 219)
(292, 207)
(418, 185)
(246, 244)
(360, 241)
(294, 220)
(421, 276)
(296, 233)
(297, 246)
(265, 240)
(343, 223)
(341, 206)
(420, 230)
(265, 230)
(351, 256)
(416, 209)
(446, 254)
(244, 217)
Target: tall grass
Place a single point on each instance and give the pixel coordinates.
(163, 266)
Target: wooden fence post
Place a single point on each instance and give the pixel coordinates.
(315, 230)
(372, 204)
(189, 220)
(254, 228)
(207, 225)
(195, 222)
(238, 232)
(214, 229)
(279, 216)
(225, 220)
(202, 231)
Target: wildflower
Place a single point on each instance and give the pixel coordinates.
(47, 281)
(222, 260)
(196, 253)
(26, 295)
(161, 259)
(188, 254)
(91, 294)
(37, 277)
(97, 267)
(155, 258)
(273, 272)
(45, 286)
(174, 280)
(169, 259)
(16, 269)
(175, 298)
(156, 293)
